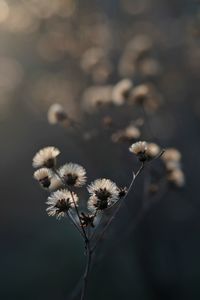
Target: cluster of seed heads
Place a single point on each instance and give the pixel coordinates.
(103, 193)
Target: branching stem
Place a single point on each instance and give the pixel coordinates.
(119, 205)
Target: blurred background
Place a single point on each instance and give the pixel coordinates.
(70, 52)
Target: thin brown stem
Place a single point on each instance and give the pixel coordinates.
(86, 273)
(135, 175)
(74, 223)
(95, 230)
(78, 214)
(84, 235)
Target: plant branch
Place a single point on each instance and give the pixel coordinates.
(86, 273)
(74, 223)
(135, 175)
(84, 235)
(77, 212)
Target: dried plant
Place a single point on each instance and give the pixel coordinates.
(107, 101)
(104, 195)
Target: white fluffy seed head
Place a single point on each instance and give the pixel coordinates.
(92, 203)
(43, 176)
(60, 202)
(104, 193)
(138, 147)
(56, 183)
(73, 174)
(56, 114)
(46, 157)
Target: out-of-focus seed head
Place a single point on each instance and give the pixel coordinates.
(171, 154)
(130, 133)
(56, 114)
(121, 91)
(153, 150)
(176, 177)
(96, 96)
(95, 62)
(172, 164)
(140, 94)
(91, 57)
(147, 96)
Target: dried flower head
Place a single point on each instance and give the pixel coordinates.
(171, 154)
(46, 157)
(104, 193)
(56, 183)
(73, 174)
(153, 150)
(43, 176)
(121, 91)
(56, 114)
(60, 202)
(139, 149)
(176, 177)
